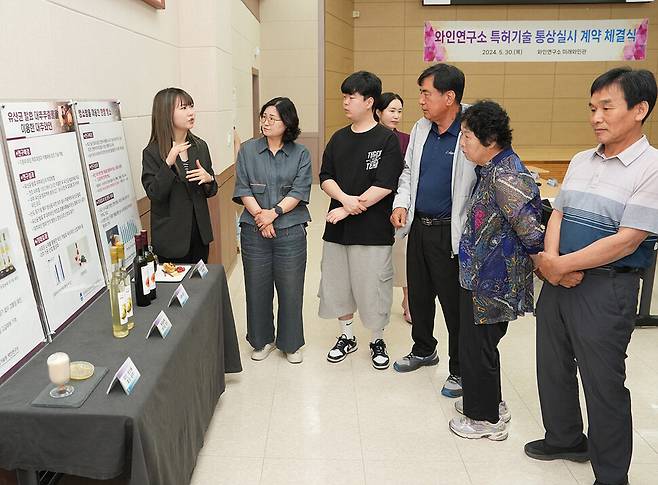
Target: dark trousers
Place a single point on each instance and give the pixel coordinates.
(197, 250)
(588, 327)
(432, 270)
(480, 363)
(267, 263)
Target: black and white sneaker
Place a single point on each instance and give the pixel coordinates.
(343, 347)
(378, 354)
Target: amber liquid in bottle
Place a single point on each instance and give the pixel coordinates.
(127, 286)
(117, 299)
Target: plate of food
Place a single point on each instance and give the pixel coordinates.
(171, 272)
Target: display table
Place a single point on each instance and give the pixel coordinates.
(152, 436)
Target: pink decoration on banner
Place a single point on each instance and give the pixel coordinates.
(430, 47)
(433, 51)
(642, 33)
(637, 50)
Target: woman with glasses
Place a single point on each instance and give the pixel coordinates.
(177, 176)
(273, 182)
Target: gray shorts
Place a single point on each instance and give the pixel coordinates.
(357, 278)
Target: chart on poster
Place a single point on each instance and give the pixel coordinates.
(46, 170)
(108, 175)
(20, 325)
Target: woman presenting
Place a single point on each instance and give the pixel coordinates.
(177, 176)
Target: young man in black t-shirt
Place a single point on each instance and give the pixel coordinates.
(361, 166)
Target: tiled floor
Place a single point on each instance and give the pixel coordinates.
(346, 423)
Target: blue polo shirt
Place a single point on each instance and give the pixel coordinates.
(434, 195)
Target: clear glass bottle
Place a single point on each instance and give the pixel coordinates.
(127, 286)
(117, 297)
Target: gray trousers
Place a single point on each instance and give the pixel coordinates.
(588, 327)
(267, 263)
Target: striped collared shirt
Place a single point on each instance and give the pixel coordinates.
(601, 194)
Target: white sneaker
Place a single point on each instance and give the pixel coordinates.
(343, 347)
(503, 411)
(378, 354)
(295, 357)
(261, 354)
(469, 428)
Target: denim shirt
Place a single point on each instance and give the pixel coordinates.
(502, 229)
(269, 178)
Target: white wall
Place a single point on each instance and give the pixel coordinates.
(245, 35)
(213, 39)
(289, 32)
(125, 49)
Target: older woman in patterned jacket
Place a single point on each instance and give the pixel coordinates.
(502, 235)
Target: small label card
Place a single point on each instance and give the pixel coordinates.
(127, 376)
(162, 323)
(180, 295)
(200, 268)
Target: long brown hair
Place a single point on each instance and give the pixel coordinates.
(162, 125)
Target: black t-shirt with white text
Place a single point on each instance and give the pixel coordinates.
(357, 161)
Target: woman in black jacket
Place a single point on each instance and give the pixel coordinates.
(177, 176)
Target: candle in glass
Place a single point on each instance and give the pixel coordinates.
(59, 372)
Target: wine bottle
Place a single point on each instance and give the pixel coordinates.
(151, 261)
(142, 297)
(117, 299)
(127, 287)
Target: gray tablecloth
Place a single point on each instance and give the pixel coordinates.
(152, 436)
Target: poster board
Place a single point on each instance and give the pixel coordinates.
(21, 331)
(46, 172)
(108, 176)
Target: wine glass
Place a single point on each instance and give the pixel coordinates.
(59, 372)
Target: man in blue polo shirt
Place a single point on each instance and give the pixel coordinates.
(430, 206)
(599, 240)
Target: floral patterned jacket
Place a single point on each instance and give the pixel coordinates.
(502, 229)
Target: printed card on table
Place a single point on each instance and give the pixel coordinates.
(162, 323)
(180, 296)
(127, 376)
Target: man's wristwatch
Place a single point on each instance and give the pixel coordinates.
(278, 210)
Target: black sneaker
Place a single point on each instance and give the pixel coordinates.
(378, 354)
(539, 450)
(343, 347)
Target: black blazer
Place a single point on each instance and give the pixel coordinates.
(174, 200)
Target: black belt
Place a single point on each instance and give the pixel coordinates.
(431, 220)
(614, 270)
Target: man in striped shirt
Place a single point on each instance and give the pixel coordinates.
(599, 240)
